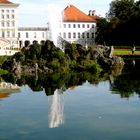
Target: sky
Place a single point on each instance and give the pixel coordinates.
(34, 13)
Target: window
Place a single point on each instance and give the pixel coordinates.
(34, 34)
(78, 25)
(7, 11)
(2, 16)
(92, 35)
(83, 35)
(92, 25)
(87, 35)
(7, 16)
(13, 33)
(2, 11)
(13, 23)
(64, 35)
(43, 35)
(78, 35)
(18, 35)
(8, 33)
(74, 35)
(83, 25)
(64, 25)
(13, 11)
(8, 23)
(3, 34)
(69, 35)
(2, 23)
(20, 43)
(87, 25)
(27, 35)
(59, 34)
(13, 16)
(69, 25)
(74, 26)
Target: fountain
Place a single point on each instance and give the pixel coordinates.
(55, 19)
(56, 106)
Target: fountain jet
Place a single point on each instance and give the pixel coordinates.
(55, 17)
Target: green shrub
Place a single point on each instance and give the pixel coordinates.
(3, 59)
(91, 65)
(55, 65)
(3, 72)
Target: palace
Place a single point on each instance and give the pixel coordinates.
(76, 27)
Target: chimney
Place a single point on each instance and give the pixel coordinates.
(90, 13)
(68, 5)
(93, 13)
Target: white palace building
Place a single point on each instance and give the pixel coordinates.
(76, 27)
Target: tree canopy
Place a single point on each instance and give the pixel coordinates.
(121, 26)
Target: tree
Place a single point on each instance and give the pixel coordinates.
(102, 24)
(35, 51)
(122, 9)
(121, 27)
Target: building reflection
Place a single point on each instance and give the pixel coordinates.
(7, 88)
(4, 95)
(56, 109)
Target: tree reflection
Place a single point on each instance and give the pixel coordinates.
(128, 82)
(55, 81)
(124, 81)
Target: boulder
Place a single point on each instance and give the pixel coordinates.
(105, 57)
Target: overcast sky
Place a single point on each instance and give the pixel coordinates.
(34, 12)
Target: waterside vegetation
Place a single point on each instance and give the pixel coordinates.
(49, 58)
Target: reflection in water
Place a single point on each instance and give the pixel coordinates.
(4, 95)
(56, 108)
(115, 72)
(133, 62)
(7, 88)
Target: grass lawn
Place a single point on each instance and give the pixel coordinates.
(125, 52)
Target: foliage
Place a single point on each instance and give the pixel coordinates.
(50, 58)
(54, 64)
(126, 84)
(101, 30)
(122, 9)
(3, 72)
(19, 56)
(56, 80)
(123, 23)
(4, 58)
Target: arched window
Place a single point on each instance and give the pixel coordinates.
(27, 43)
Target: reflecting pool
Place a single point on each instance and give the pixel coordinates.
(79, 106)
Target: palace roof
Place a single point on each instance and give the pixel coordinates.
(73, 14)
(5, 2)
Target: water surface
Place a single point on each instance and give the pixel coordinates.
(74, 109)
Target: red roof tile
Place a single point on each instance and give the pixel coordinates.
(5, 2)
(71, 13)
